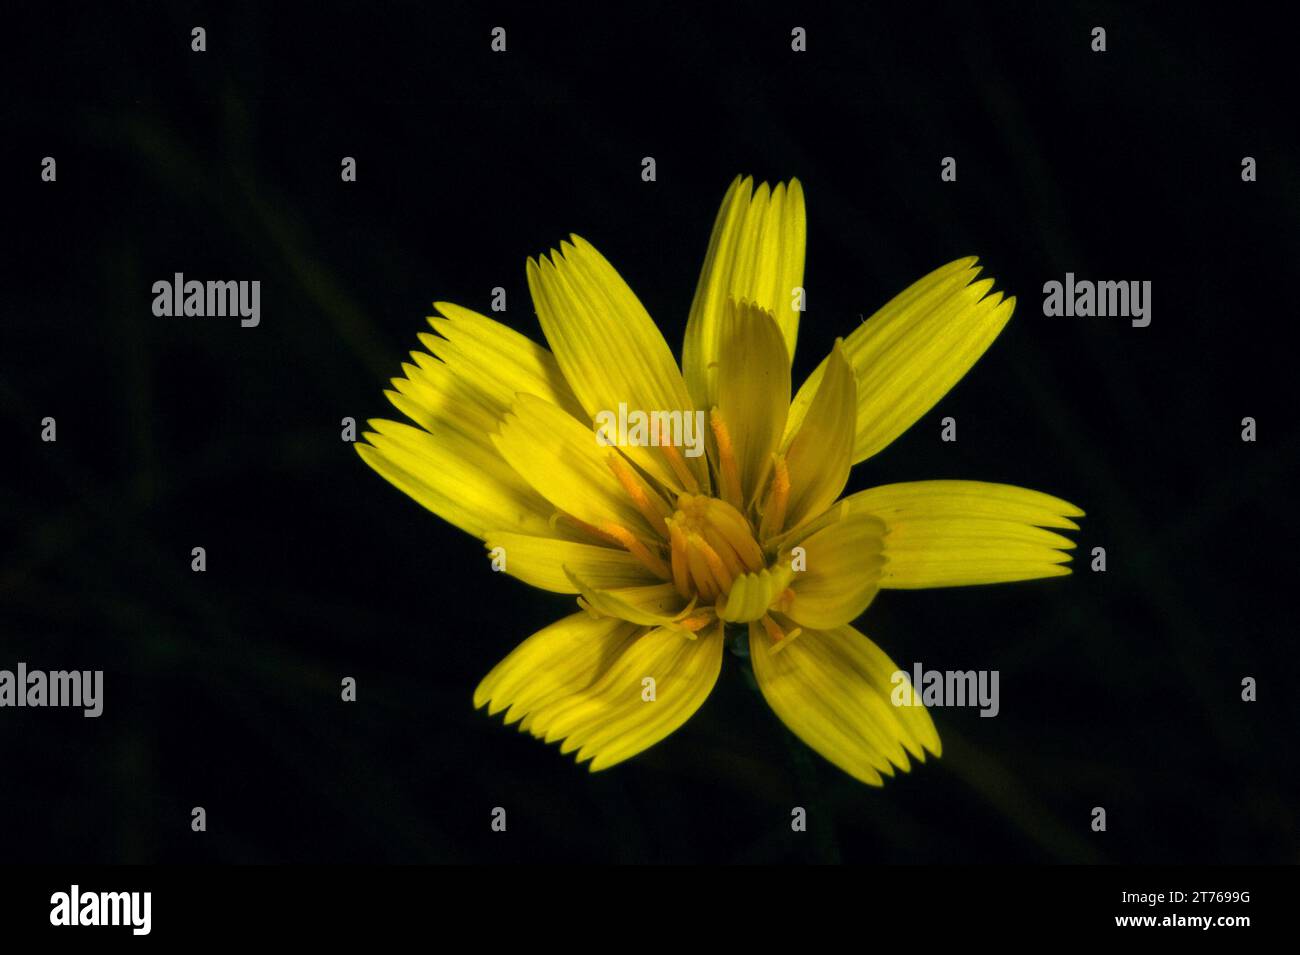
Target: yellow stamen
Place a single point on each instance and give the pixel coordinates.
(725, 552)
(637, 549)
(675, 460)
(728, 472)
(653, 507)
(711, 545)
(687, 621)
(733, 528)
(716, 566)
(561, 517)
(777, 498)
(701, 576)
(789, 639)
(696, 622)
(681, 570)
(780, 639)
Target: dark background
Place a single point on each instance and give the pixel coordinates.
(1119, 690)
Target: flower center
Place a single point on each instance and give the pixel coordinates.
(703, 544)
(712, 544)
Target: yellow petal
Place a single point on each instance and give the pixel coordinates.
(753, 389)
(438, 400)
(557, 661)
(756, 254)
(655, 605)
(819, 454)
(842, 572)
(612, 719)
(563, 460)
(461, 479)
(459, 398)
(607, 345)
(494, 362)
(913, 350)
(752, 594)
(955, 533)
(540, 561)
(833, 689)
(479, 366)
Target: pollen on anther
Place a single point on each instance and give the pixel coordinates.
(652, 507)
(637, 549)
(728, 471)
(681, 570)
(780, 639)
(675, 459)
(778, 497)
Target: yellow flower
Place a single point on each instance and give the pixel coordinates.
(665, 547)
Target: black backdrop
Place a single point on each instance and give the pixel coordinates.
(1119, 689)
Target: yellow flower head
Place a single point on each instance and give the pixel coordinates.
(674, 502)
